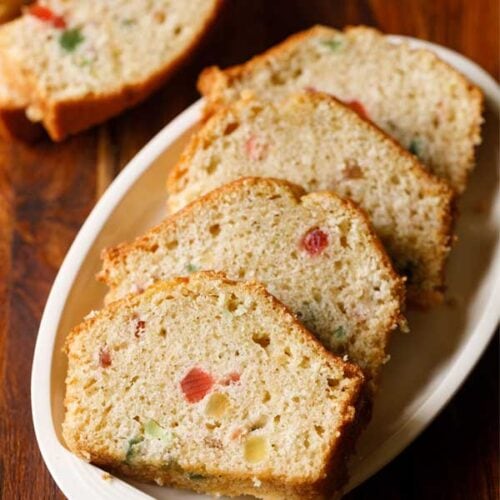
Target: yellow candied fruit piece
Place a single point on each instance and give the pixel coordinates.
(256, 448)
(217, 405)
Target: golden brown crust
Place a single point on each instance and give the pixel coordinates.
(227, 485)
(330, 478)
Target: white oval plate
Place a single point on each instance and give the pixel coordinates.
(427, 366)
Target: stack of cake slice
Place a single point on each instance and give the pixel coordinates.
(242, 343)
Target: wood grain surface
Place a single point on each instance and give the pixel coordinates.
(47, 190)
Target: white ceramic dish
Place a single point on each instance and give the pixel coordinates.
(427, 366)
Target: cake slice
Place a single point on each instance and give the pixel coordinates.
(316, 253)
(429, 107)
(313, 140)
(212, 385)
(79, 62)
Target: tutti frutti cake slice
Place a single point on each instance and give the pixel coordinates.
(212, 385)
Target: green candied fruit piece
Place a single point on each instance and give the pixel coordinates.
(339, 333)
(415, 147)
(191, 268)
(332, 44)
(132, 449)
(70, 39)
(153, 430)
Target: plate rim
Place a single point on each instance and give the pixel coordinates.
(56, 456)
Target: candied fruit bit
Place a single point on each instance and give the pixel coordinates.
(132, 448)
(333, 44)
(339, 333)
(153, 430)
(71, 39)
(196, 385)
(191, 268)
(359, 108)
(254, 149)
(314, 241)
(255, 449)
(104, 358)
(139, 328)
(45, 14)
(311, 89)
(231, 378)
(217, 405)
(239, 431)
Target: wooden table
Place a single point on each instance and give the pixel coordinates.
(47, 190)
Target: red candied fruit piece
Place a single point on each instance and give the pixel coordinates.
(237, 433)
(359, 108)
(232, 378)
(314, 241)
(254, 149)
(139, 328)
(104, 358)
(196, 385)
(47, 15)
(311, 89)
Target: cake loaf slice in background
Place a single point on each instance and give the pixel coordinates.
(212, 385)
(78, 62)
(424, 103)
(313, 140)
(316, 253)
